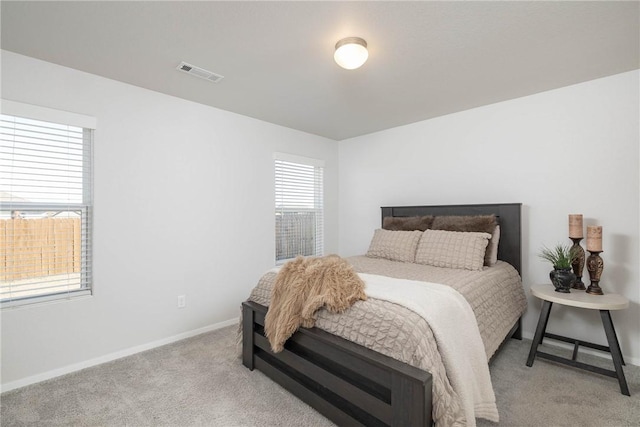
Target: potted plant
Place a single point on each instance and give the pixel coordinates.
(561, 257)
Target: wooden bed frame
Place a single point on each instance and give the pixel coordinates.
(353, 385)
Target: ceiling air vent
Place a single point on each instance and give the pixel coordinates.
(199, 72)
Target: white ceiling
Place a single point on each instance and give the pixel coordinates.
(426, 59)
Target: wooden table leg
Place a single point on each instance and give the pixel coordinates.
(614, 347)
(540, 330)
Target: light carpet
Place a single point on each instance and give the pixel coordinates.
(201, 382)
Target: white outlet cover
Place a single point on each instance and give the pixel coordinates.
(182, 301)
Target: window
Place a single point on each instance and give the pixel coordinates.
(299, 207)
(45, 204)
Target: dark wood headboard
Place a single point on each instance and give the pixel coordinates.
(508, 214)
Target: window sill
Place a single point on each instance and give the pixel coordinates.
(44, 299)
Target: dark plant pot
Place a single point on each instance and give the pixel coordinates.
(562, 279)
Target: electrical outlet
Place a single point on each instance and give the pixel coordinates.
(182, 301)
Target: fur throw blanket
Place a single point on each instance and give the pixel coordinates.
(302, 287)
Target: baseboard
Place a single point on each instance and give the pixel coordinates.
(628, 360)
(112, 356)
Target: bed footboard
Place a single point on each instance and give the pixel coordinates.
(347, 383)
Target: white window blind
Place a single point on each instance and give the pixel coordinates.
(299, 209)
(45, 210)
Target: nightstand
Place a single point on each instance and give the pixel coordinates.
(580, 299)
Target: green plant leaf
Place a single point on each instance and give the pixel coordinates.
(560, 256)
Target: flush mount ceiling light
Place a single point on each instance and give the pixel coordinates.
(351, 53)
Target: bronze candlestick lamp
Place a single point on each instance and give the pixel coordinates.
(578, 263)
(595, 265)
(576, 235)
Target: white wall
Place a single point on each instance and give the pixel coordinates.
(571, 150)
(183, 205)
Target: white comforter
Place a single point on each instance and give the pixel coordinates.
(456, 331)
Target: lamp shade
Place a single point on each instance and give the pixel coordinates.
(351, 53)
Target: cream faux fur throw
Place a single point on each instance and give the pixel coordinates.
(302, 287)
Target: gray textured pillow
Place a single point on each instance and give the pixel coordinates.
(477, 223)
(407, 223)
(452, 249)
(394, 245)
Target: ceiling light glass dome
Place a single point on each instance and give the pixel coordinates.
(351, 53)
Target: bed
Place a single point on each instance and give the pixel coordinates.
(354, 385)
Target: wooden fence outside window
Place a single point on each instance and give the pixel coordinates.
(39, 247)
(295, 234)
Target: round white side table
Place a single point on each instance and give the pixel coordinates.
(580, 299)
